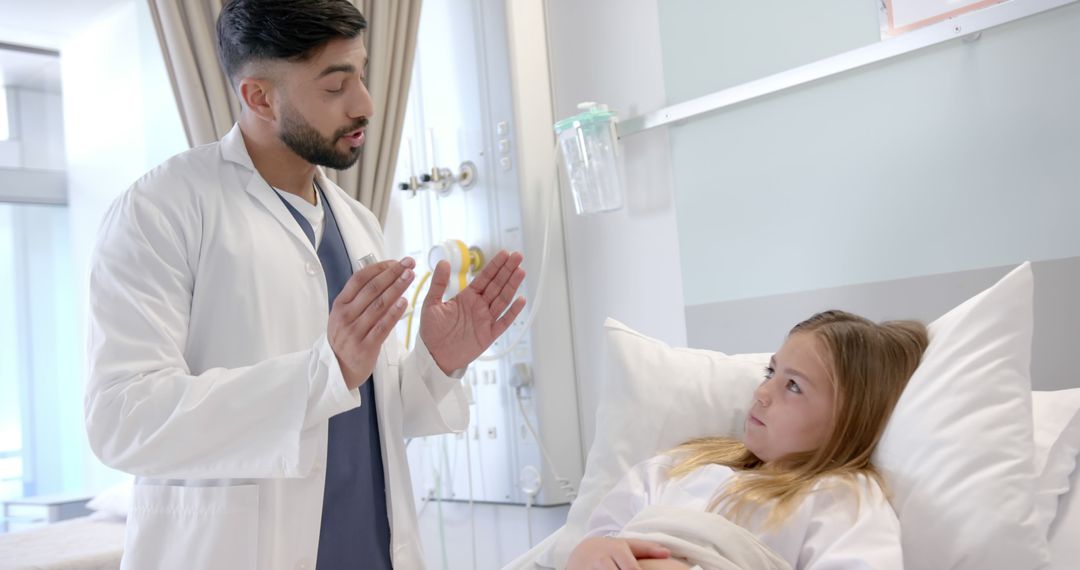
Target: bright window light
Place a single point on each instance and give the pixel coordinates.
(5, 132)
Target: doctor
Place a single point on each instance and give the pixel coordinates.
(265, 430)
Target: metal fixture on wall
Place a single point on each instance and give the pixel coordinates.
(442, 179)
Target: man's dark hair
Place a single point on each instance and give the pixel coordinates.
(293, 30)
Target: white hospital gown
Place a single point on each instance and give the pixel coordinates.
(833, 528)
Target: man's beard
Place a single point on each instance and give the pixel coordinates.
(308, 144)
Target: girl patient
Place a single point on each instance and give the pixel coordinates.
(800, 481)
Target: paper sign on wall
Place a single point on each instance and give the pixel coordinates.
(899, 16)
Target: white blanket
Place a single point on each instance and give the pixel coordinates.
(708, 540)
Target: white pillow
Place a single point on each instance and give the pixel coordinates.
(968, 408)
(656, 397)
(1057, 442)
(957, 454)
(114, 501)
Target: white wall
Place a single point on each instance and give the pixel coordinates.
(32, 160)
(36, 131)
(956, 157)
(624, 264)
(10, 151)
(118, 125)
(41, 129)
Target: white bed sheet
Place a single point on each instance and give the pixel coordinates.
(84, 543)
(1064, 535)
(93, 543)
(1065, 530)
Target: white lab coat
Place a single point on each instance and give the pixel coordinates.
(836, 527)
(211, 378)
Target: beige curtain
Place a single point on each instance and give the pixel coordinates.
(187, 33)
(391, 45)
(209, 107)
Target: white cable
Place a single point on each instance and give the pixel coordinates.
(472, 506)
(528, 516)
(442, 523)
(449, 465)
(474, 426)
(543, 271)
(565, 484)
(531, 482)
(426, 499)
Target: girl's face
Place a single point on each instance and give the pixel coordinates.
(792, 411)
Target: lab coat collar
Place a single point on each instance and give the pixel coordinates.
(356, 242)
(234, 150)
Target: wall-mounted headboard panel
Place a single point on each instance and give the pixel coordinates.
(759, 324)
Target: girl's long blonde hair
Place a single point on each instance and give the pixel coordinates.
(868, 364)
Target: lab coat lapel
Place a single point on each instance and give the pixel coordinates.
(387, 391)
(359, 243)
(261, 191)
(356, 239)
(233, 150)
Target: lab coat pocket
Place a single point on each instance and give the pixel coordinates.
(192, 527)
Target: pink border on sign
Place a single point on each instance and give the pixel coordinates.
(893, 30)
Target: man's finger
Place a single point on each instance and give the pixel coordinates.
(646, 549)
(372, 290)
(508, 291)
(384, 302)
(382, 328)
(499, 281)
(490, 270)
(507, 319)
(440, 278)
(359, 279)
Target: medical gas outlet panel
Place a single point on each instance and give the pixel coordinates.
(458, 197)
(498, 458)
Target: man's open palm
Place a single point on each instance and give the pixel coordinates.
(461, 329)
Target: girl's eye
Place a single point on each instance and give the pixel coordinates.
(769, 372)
(793, 387)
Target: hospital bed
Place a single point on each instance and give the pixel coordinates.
(763, 323)
(97, 541)
(1064, 536)
(93, 542)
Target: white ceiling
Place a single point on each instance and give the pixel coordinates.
(45, 25)
(49, 23)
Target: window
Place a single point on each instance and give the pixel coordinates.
(5, 129)
(10, 393)
(40, 399)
